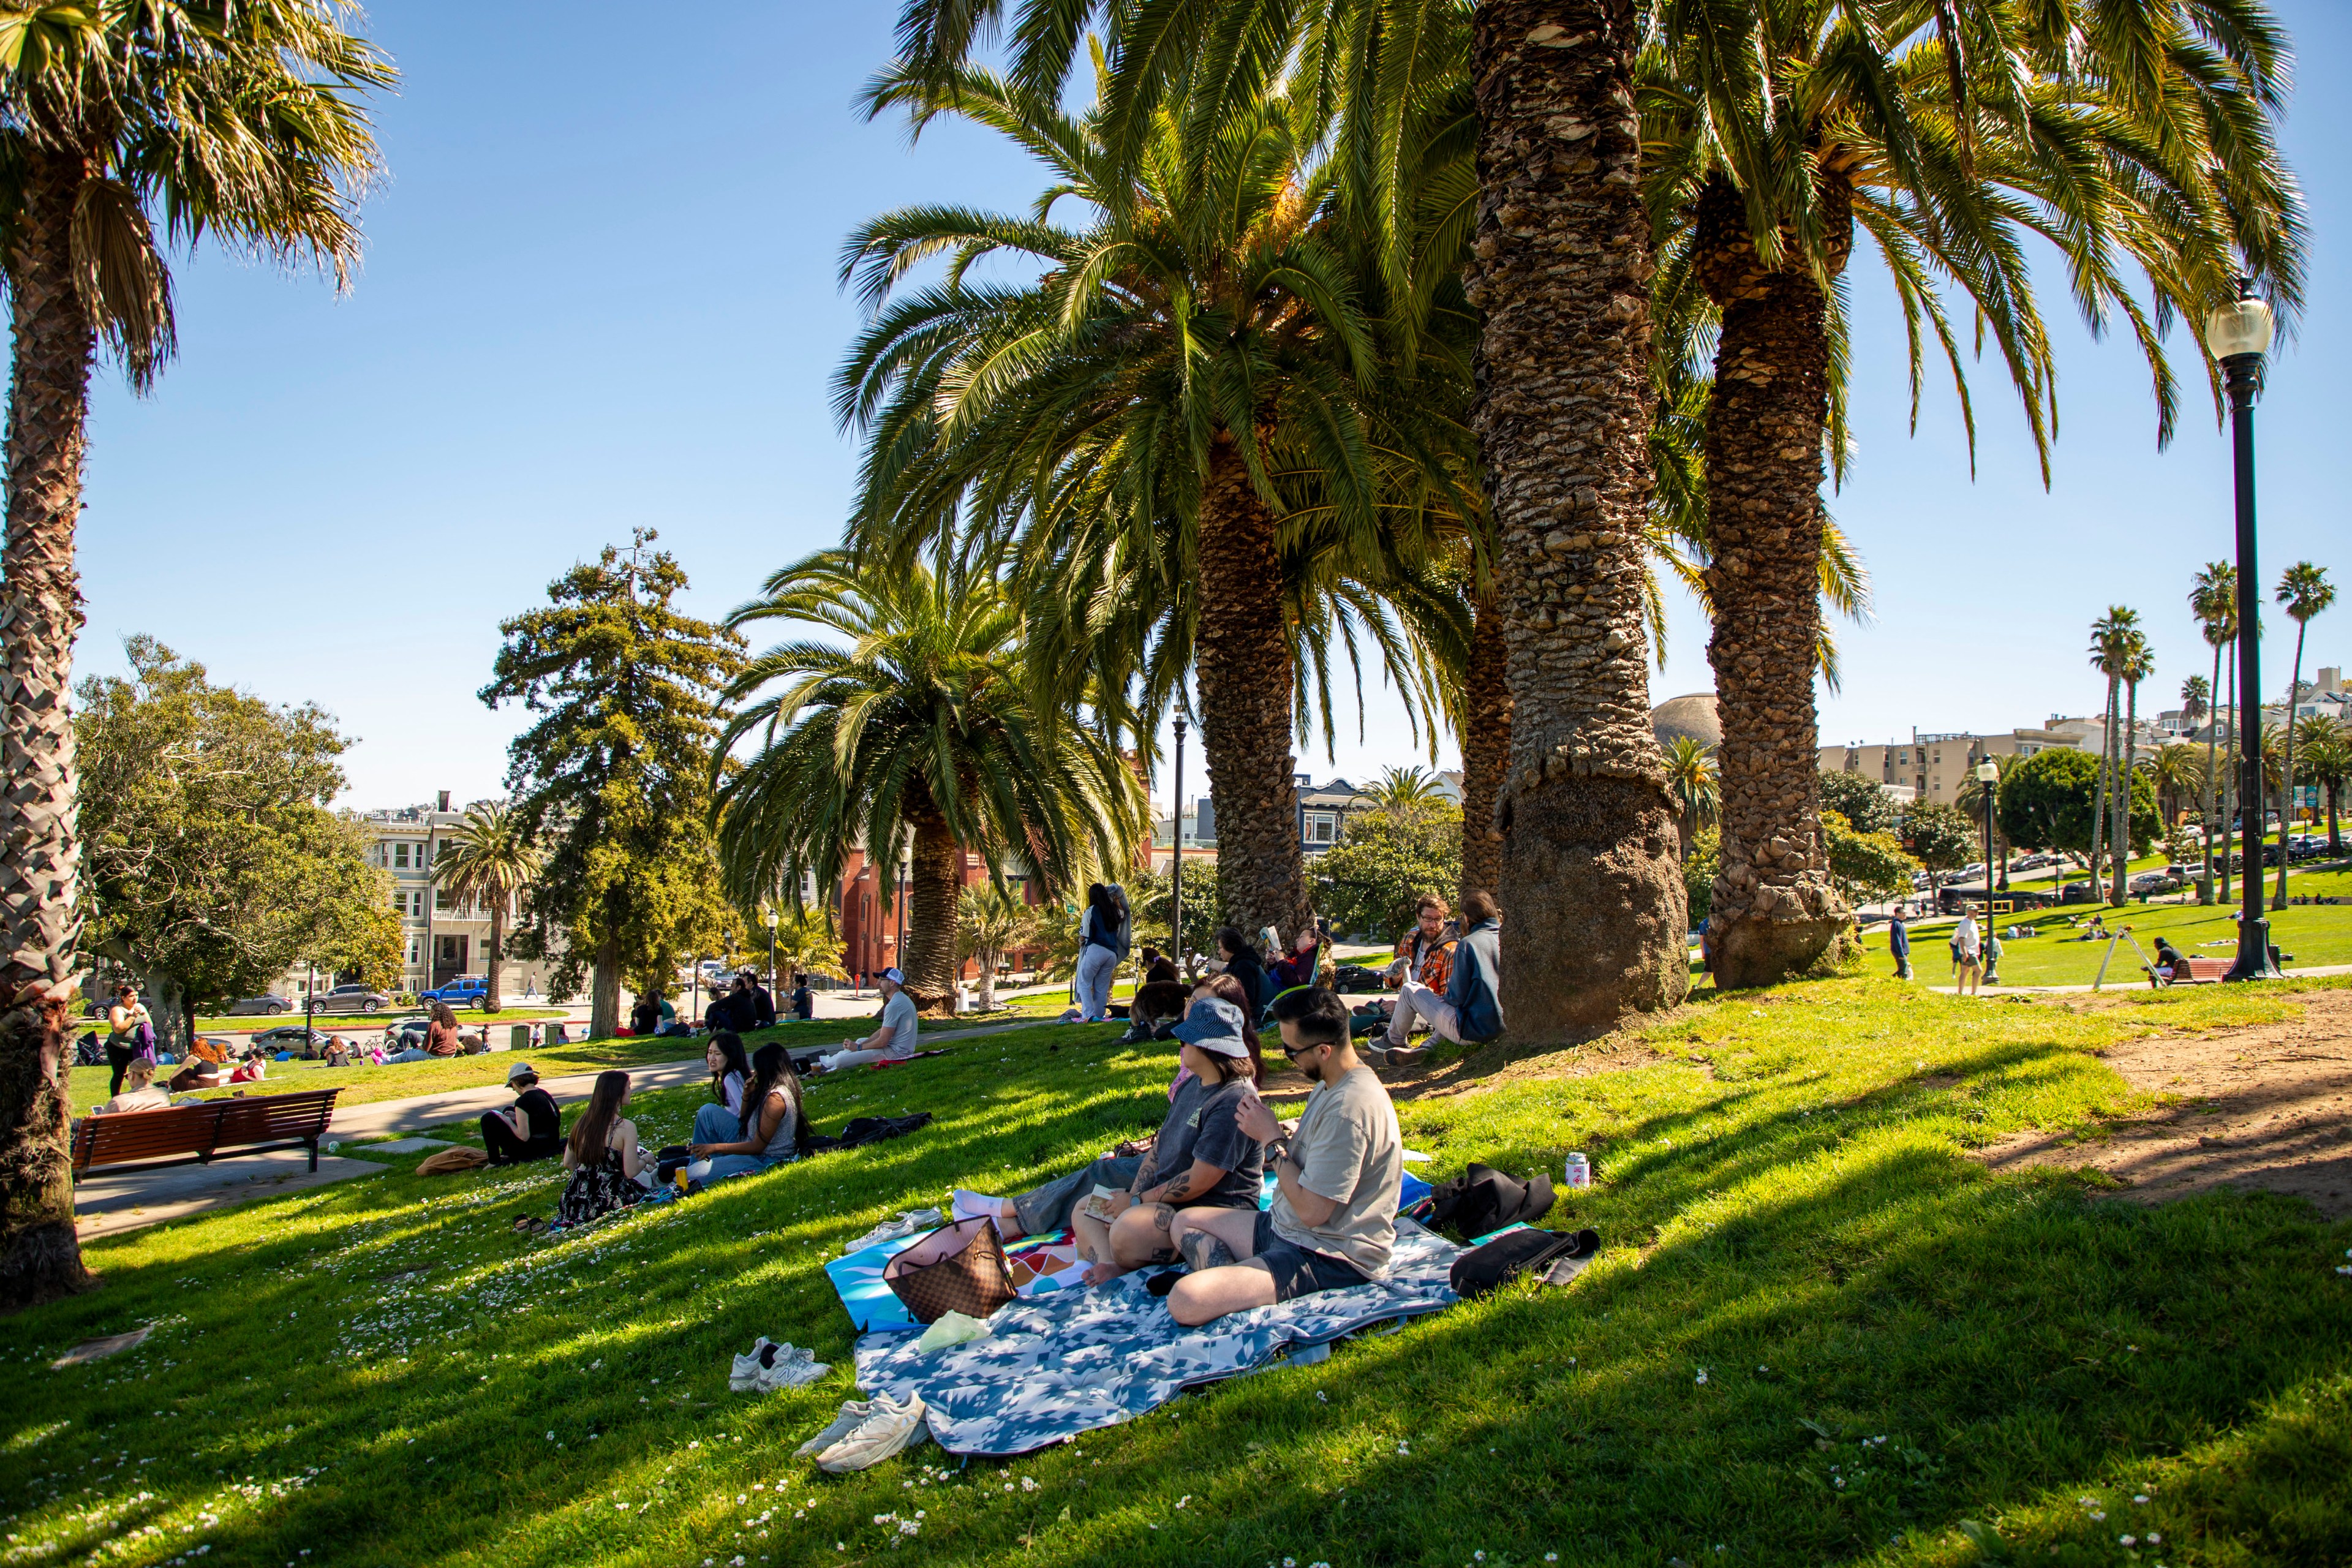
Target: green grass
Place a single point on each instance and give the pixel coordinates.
(379, 1374)
(2318, 935)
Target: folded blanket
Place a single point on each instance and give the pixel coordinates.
(1062, 1363)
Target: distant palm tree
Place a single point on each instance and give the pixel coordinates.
(1398, 788)
(1697, 786)
(2214, 600)
(921, 729)
(2327, 749)
(2109, 645)
(2303, 591)
(489, 861)
(2137, 663)
(2178, 775)
(2195, 701)
(243, 124)
(991, 922)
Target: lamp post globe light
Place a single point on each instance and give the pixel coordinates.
(2238, 334)
(1987, 775)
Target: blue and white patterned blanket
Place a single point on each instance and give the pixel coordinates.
(1071, 1361)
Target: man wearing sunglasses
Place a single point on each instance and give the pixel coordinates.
(1333, 1222)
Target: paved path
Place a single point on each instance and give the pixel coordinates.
(2118, 981)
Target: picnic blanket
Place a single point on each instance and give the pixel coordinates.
(1067, 1362)
(1040, 1264)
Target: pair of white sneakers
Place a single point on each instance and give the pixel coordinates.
(866, 1432)
(772, 1366)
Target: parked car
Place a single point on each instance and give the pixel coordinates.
(264, 1006)
(2154, 882)
(353, 999)
(289, 1037)
(466, 990)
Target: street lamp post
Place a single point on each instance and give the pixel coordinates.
(1176, 868)
(2238, 334)
(768, 914)
(1987, 775)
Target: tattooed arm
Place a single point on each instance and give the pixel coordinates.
(1184, 1186)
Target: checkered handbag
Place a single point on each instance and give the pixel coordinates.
(959, 1267)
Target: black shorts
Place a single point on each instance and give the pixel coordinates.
(1298, 1270)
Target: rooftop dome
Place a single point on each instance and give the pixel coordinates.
(1693, 715)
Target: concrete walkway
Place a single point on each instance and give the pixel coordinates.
(2120, 980)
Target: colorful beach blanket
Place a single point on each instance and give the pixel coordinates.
(1067, 1362)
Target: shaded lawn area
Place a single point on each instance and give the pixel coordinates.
(1817, 1333)
(400, 1081)
(2316, 934)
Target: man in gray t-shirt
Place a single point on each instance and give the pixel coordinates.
(1333, 1222)
(893, 1042)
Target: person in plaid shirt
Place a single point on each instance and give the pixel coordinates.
(1425, 953)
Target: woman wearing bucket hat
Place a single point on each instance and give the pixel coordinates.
(1202, 1158)
(530, 1129)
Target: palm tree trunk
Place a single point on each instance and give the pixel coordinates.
(2129, 745)
(2099, 790)
(1486, 747)
(934, 879)
(493, 999)
(1241, 661)
(1773, 913)
(1591, 890)
(40, 860)
(2212, 781)
(2287, 775)
(2228, 785)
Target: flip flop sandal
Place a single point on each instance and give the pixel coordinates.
(529, 1225)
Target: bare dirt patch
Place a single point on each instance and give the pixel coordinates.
(2267, 1107)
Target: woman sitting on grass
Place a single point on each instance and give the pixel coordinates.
(603, 1156)
(761, 1136)
(1201, 1159)
(730, 1071)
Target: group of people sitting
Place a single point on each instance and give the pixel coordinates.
(739, 1004)
(1192, 1196)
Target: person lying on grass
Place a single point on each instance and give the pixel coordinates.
(1200, 1157)
(762, 1135)
(1051, 1206)
(603, 1155)
(1333, 1222)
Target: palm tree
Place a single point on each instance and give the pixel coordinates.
(244, 123)
(2303, 591)
(2135, 663)
(2178, 775)
(1697, 790)
(1399, 788)
(2195, 700)
(2214, 600)
(991, 922)
(488, 860)
(2327, 749)
(2109, 639)
(1123, 425)
(922, 729)
(1773, 129)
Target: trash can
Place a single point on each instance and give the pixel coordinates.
(518, 1037)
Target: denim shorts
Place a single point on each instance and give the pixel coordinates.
(1298, 1270)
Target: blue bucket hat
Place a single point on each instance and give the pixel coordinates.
(1214, 1025)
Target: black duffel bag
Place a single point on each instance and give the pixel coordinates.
(1554, 1258)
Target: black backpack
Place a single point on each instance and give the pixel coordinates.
(1555, 1257)
(1482, 1200)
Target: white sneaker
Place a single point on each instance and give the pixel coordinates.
(908, 1222)
(791, 1367)
(889, 1428)
(744, 1375)
(853, 1416)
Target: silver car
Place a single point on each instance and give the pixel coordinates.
(353, 999)
(262, 1006)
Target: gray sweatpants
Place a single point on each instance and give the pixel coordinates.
(1048, 1207)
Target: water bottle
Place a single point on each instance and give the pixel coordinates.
(1580, 1170)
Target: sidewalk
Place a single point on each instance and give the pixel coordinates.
(2133, 980)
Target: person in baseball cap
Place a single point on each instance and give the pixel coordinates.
(893, 1042)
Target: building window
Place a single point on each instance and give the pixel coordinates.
(415, 945)
(1320, 828)
(440, 898)
(399, 857)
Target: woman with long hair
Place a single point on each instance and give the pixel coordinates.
(763, 1134)
(603, 1155)
(730, 1069)
(1202, 1158)
(1240, 957)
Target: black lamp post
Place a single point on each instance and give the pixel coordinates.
(1176, 868)
(1987, 775)
(2238, 334)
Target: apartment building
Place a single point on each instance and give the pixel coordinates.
(442, 938)
(1933, 766)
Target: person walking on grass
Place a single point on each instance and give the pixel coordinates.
(1968, 953)
(893, 1042)
(1898, 942)
(1470, 1012)
(1333, 1222)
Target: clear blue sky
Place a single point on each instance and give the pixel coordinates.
(599, 293)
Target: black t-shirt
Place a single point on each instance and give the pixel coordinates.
(540, 1115)
(1201, 1125)
(645, 1016)
(803, 1004)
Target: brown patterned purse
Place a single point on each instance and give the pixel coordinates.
(959, 1267)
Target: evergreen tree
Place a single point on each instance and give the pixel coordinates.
(614, 781)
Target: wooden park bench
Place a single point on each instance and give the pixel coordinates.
(199, 1134)
(2201, 972)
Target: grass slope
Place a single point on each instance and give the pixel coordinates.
(1818, 1333)
(2316, 934)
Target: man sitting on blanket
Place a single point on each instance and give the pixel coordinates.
(1334, 1218)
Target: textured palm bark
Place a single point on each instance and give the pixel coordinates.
(1774, 913)
(933, 881)
(1241, 661)
(1590, 888)
(1486, 748)
(40, 612)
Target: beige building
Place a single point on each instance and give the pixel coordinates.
(442, 938)
(1937, 767)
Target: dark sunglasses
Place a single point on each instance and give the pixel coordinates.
(1294, 1054)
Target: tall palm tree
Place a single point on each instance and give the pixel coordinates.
(2327, 749)
(2137, 663)
(1697, 789)
(1772, 130)
(2303, 591)
(2109, 643)
(921, 729)
(1123, 425)
(489, 859)
(243, 122)
(2195, 700)
(2214, 600)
